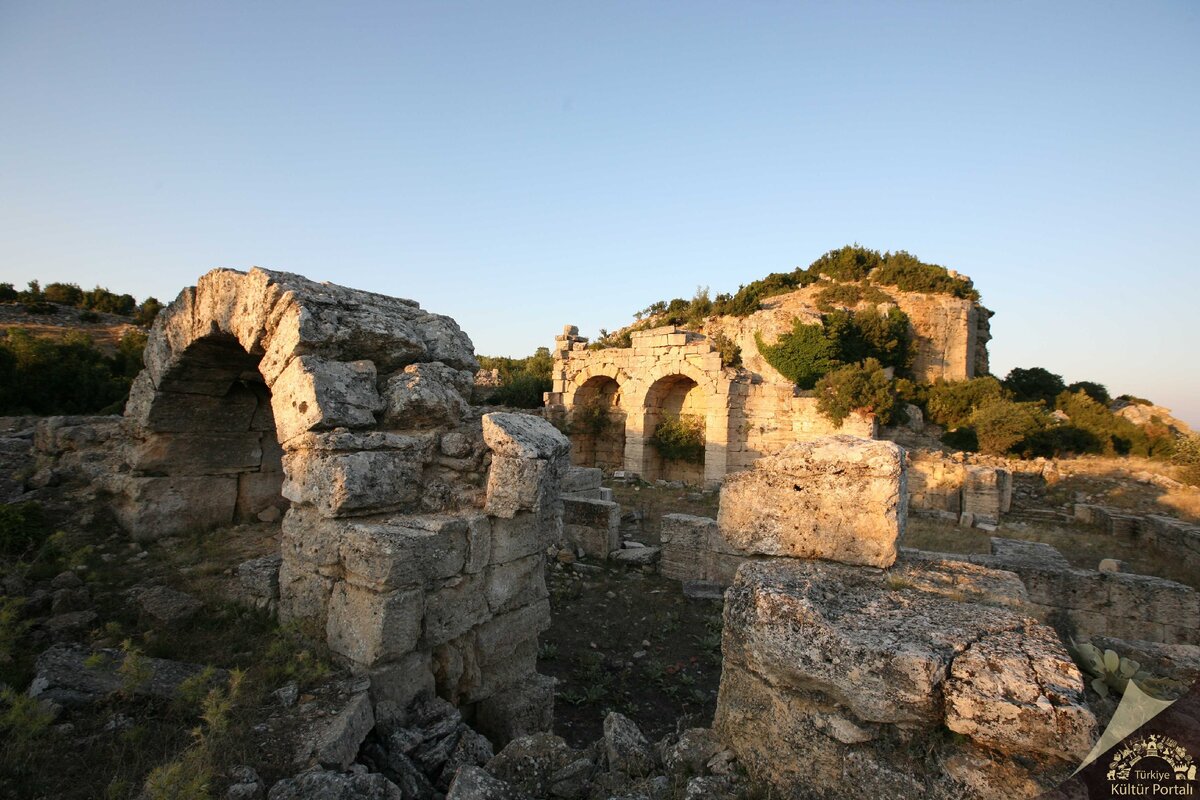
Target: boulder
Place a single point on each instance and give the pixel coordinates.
(829, 668)
(320, 784)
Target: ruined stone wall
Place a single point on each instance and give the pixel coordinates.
(951, 488)
(1166, 537)
(414, 530)
(1095, 603)
(950, 333)
(668, 372)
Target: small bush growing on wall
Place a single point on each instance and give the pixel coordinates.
(731, 354)
(590, 418)
(680, 438)
(803, 355)
(849, 294)
(862, 387)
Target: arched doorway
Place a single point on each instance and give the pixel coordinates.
(206, 453)
(597, 425)
(675, 430)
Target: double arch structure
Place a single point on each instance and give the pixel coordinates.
(667, 372)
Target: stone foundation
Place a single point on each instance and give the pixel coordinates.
(1166, 537)
(944, 486)
(1093, 603)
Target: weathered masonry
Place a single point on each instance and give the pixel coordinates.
(413, 530)
(627, 392)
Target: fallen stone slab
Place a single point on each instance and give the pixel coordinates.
(320, 784)
(168, 606)
(636, 556)
(75, 675)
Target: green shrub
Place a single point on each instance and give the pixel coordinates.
(1187, 456)
(869, 333)
(1001, 425)
(963, 438)
(1096, 391)
(13, 626)
(849, 294)
(43, 376)
(523, 381)
(590, 417)
(909, 274)
(849, 263)
(1134, 400)
(1114, 435)
(24, 724)
(803, 355)
(1059, 441)
(731, 354)
(23, 528)
(680, 438)
(857, 387)
(1033, 385)
(522, 391)
(951, 403)
(8, 294)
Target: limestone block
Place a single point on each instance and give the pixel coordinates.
(1019, 691)
(454, 608)
(313, 394)
(176, 412)
(501, 635)
(580, 479)
(208, 453)
(408, 551)
(515, 584)
(337, 744)
(479, 543)
(595, 542)
(827, 667)
(878, 652)
(258, 491)
(523, 436)
(839, 498)
(369, 627)
(303, 591)
(499, 673)
(425, 395)
(687, 531)
(516, 538)
(150, 508)
(521, 484)
(400, 682)
(342, 484)
(309, 538)
(518, 711)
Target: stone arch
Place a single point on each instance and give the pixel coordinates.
(596, 422)
(420, 576)
(675, 396)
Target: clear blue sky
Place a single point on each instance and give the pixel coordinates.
(520, 166)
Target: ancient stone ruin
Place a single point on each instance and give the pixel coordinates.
(412, 533)
(748, 411)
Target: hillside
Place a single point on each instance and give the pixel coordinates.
(105, 330)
